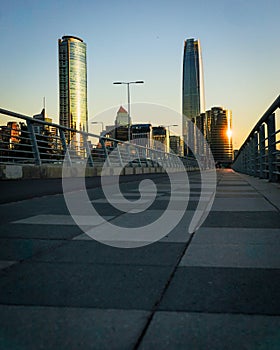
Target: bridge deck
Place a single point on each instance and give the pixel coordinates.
(216, 289)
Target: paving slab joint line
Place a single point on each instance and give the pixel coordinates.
(157, 303)
(219, 178)
(48, 249)
(28, 259)
(258, 191)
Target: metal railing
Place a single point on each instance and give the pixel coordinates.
(36, 142)
(259, 155)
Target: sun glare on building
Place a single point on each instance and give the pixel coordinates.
(229, 133)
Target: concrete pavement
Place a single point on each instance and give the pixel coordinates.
(216, 289)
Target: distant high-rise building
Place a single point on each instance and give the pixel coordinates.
(141, 135)
(40, 128)
(160, 135)
(193, 87)
(218, 125)
(122, 118)
(176, 144)
(122, 125)
(200, 135)
(72, 83)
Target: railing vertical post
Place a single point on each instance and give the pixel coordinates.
(271, 147)
(120, 156)
(262, 151)
(172, 160)
(249, 171)
(138, 156)
(163, 159)
(256, 154)
(107, 158)
(251, 156)
(246, 160)
(64, 146)
(242, 163)
(168, 160)
(88, 151)
(159, 156)
(129, 157)
(34, 143)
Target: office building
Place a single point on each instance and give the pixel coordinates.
(200, 135)
(9, 135)
(193, 88)
(40, 128)
(176, 144)
(72, 84)
(122, 118)
(122, 125)
(141, 134)
(218, 126)
(160, 136)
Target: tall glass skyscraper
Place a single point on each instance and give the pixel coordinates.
(193, 86)
(72, 83)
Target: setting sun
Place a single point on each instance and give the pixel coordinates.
(229, 133)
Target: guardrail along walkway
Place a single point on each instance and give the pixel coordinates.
(216, 289)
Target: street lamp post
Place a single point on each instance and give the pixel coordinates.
(128, 98)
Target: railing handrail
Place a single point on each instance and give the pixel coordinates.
(43, 122)
(33, 145)
(259, 155)
(263, 119)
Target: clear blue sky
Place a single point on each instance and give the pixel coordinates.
(143, 40)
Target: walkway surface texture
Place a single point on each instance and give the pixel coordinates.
(216, 289)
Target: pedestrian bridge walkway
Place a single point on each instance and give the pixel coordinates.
(217, 288)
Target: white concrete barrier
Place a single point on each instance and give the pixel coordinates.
(13, 172)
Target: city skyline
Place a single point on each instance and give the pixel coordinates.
(239, 55)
